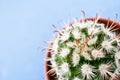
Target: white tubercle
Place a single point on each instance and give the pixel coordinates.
(76, 33)
(65, 36)
(68, 28)
(107, 31)
(86, 55)
(92, 41)
(107, 45)
(105, 70)
(87, 70)
(97, 54)
(70, 44)
(64, 52)
(65, 67)
(80, 25)
(83, 24)
(75, 59)
(90, 30)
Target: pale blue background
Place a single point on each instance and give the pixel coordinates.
(25, 24)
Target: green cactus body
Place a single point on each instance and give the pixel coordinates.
(86, 50)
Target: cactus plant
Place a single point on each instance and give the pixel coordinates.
(86, 50)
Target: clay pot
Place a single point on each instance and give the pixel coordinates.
(101, 20)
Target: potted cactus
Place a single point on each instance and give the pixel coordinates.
(86, 49)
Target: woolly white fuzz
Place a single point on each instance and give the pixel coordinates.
(65, 67)
(76, 59)
(78, 24)
(70, 44)
(90, 30)
(107, 45)
(87, 70)
(64, 52)
(97, 54)
(76, 33)
(107, 31)
(65, 36)
(86, 55)
(92, 41)
(105, 70)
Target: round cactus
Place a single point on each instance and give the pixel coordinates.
(86, 50)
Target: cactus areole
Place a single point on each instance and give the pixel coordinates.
(86, 49)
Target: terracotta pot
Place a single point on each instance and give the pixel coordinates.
(101, 20)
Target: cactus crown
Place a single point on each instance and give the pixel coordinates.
(86, 50)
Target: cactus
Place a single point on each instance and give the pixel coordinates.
(86, 50)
